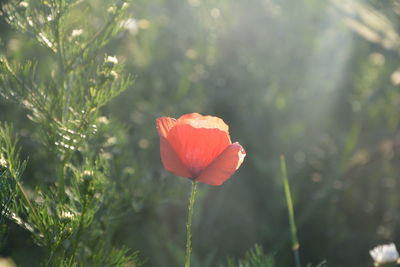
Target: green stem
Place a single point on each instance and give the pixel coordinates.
(27, 201)
(80, 227)
(62, 176)
(288, 196)
(68, 155)
(53, 250)
(189, 223)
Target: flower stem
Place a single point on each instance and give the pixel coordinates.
(293, 231)
(189, 222)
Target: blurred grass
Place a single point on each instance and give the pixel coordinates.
(288, 77)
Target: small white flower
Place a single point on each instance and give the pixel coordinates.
(112, 59)
(111, 9)
(23, 4)
(103, 120)
(395, 78)
(111, 141)
(88, 172)
(76, 32)
(131, 25)
(125, 5)
(67, 215)
(215, 13)
(384, 254)
(3, 161)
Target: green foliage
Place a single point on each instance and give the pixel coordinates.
(322, 264)
(10, 172)
(255, 257)
(14, 199)
(64, 98)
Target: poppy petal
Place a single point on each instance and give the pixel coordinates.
(197, 147)
(223, 166)
(199, 121)
(164, 125)
(171, 161)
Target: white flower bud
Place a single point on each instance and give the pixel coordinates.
(112, 59)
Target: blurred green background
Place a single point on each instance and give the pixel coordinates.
(318, 81)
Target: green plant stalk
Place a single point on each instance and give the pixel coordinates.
(27, 200)
(63, 176)
(288, 196)
(80, 227)
(189, 222)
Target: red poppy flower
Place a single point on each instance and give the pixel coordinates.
(199, 147)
